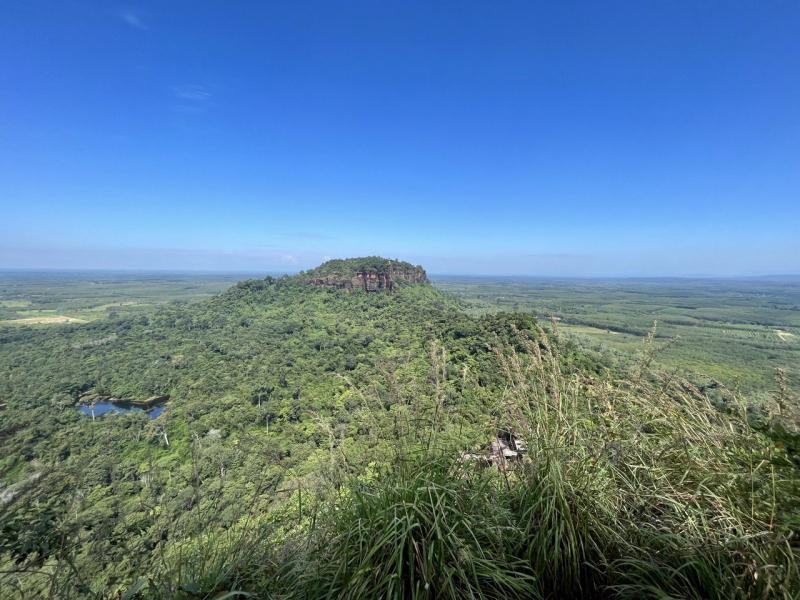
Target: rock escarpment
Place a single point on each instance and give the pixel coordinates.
(370, 274)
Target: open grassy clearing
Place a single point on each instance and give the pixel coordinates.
(42, 320)
(14, 303)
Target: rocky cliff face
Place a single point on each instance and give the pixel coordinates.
(373, 280)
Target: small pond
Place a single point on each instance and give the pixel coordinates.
(100, 408)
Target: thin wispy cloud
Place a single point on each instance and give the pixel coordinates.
(306, 235)
(132, 18)
(198, 93)
(191, 99)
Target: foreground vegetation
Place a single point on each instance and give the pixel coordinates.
(317, 444)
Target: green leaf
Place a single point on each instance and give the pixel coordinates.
(135, 589)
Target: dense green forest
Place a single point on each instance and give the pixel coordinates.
(350, 266)
(326, 443)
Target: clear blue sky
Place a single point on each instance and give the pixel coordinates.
(590, 138)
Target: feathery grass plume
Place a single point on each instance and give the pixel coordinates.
(636, 486)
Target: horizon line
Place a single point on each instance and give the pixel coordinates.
(435, 274)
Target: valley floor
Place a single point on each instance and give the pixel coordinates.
(738, 331)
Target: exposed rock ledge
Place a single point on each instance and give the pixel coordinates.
(370, 279)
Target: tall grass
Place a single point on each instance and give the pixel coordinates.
(425, 529)
(638, 487)
(631, 486)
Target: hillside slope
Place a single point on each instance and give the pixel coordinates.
(303, 417)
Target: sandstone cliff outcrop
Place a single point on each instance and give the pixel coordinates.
(371, 278)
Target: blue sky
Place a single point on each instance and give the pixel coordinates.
(590, 138)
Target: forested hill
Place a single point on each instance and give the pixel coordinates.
(280, 334)
(302, 414)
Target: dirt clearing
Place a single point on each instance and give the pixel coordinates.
(40, 320)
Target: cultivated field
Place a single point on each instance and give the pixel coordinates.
(736, 330)
(53, 297)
